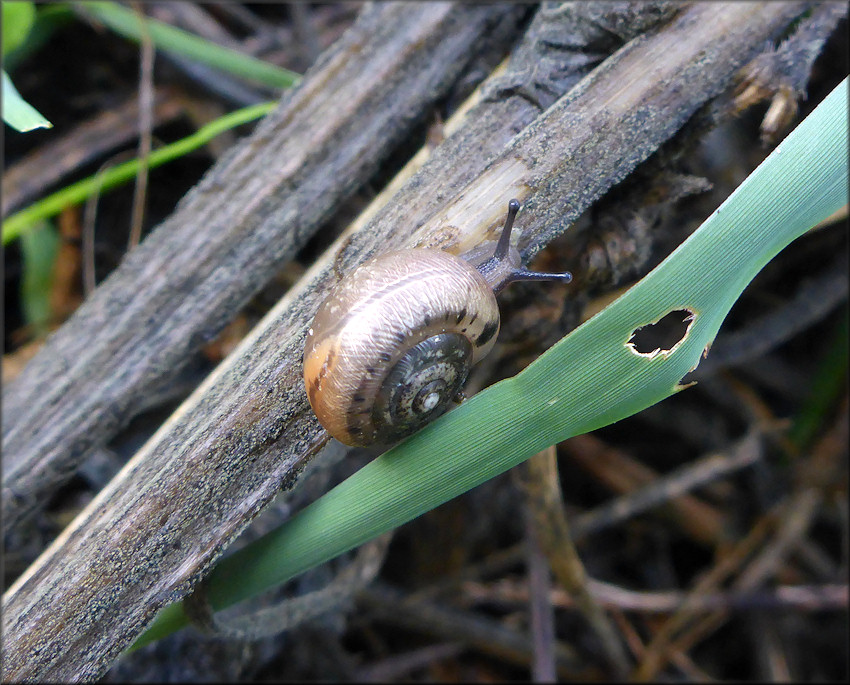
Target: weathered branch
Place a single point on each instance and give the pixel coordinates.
(228, 237)
(247, 430)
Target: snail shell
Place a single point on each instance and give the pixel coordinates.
(392, 345)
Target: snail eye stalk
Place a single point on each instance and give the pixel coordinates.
(499, 271)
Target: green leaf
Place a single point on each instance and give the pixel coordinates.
(17, 112)
(589, 379)
(18, 223)
(48, 19)
(18, 18)
(39, 248)
(127, 23)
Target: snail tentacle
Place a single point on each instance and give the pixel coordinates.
(504, 266)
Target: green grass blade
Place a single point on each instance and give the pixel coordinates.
(39, 248)
(71, 195)
(18, 18)
(589, 379)
(17, 112)
(48, 19)
(170, 39)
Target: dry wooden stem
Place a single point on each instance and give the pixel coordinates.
(646, 489)
(795, 516)
(545, 502)
(386, 603)
(253, 210)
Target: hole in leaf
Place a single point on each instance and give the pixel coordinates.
(662, 336)
(689, 378)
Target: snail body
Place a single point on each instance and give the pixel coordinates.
(390, 348)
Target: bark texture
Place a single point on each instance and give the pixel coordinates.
(229, 236)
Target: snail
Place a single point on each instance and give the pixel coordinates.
(391, 346)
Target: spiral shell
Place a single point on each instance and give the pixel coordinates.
(391, 347)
